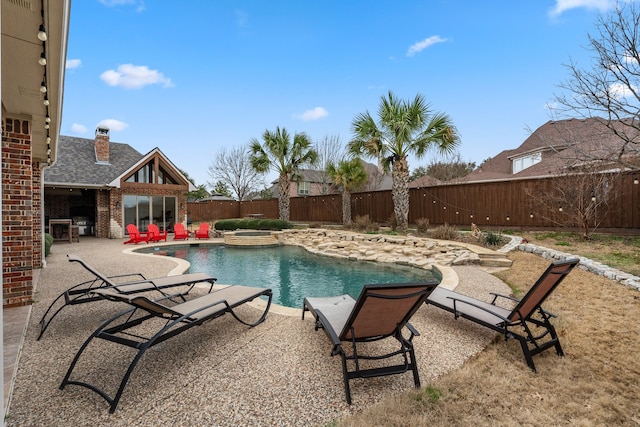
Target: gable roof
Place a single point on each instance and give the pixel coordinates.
(561, 144)
(76, 165)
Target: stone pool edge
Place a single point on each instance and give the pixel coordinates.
(449, 277)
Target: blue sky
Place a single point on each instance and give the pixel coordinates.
(196, 76)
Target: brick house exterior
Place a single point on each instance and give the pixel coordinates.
(31, 115)
(102, 186)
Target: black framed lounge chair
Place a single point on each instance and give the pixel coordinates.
(122, 329)
(126, 284)
(381, 311)
(527, 322)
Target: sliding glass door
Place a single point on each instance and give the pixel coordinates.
(144, 210)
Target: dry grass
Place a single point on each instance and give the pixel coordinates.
(596, 383)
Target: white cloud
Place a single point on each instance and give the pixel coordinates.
(113, 124)
(72, 63)
(78, 128)
(132, 76)
(422, 45)
(619, 90)
(139, 4)
(564, 5)
(313, 114)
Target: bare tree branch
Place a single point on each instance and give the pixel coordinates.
(233, 167)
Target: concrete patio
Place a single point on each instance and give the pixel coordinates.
(223, 373)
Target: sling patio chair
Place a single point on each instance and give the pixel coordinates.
(125, 284)
(179, 232)
(148, 323)
(381, 311)
(518, 323)
(155, 235)
(135, 236)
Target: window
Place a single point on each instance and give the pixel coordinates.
(303, 187)
(521, 163)
(143, 210)
(144, 175)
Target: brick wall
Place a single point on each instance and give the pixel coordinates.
(36, 209)
(17, 212)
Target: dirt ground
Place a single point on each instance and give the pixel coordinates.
(596, 383)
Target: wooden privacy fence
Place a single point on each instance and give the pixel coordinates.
(526, 203)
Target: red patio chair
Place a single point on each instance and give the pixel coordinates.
(155, 235)
(203, 231)
(179, 232)
(136, 236)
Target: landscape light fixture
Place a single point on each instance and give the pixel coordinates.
(42, 33)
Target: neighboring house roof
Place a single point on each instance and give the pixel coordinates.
(560, 145)
(424, 181)
(76, 163)
(215, 197)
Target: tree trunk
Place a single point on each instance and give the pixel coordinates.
(400, 192)
(346, 208)
(283, 197)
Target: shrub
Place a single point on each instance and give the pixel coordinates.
(422, 224)
(48, 241)
(445, 232)
(490, 238)
(364, 223)
(251, 224)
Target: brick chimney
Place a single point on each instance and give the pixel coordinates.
(102, 144)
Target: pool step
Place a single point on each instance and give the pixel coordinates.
(266, 240)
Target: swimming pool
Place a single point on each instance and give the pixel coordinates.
(292, 272)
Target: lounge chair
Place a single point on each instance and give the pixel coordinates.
(518, 322)
(155, 235)
(135, 236)
(380, 311)
(172, 321)
(179, 232)
(203, 231)
(125, 284)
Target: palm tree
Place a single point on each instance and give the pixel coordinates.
(284, 156)
(404, 127)
(349, 175)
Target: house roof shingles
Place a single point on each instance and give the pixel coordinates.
(76, 163)
(562, 143)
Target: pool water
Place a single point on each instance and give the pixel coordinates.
(291, 271)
